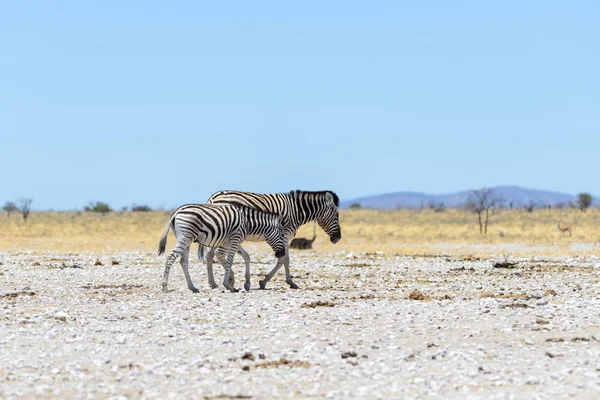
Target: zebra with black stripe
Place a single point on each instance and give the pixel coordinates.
(296, 209)
(223, 227)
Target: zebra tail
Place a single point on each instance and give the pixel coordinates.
(201, 253)
(163, 240)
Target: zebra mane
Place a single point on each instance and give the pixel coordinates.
(336, 199)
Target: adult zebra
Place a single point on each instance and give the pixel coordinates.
(296, 208)
(223, 226)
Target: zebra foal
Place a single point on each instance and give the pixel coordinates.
(296, 208)
(222, 227)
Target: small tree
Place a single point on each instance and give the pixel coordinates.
(10, 208)
(584, 200)
(481, 201)
(98, 207)
(355, 206)
(25, 207)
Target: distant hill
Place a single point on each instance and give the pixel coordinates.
(517, 195)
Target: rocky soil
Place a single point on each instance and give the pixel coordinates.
(361, 326)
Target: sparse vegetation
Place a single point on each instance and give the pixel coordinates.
(98, 207)
(437, 207)
(355, 206)
(482, 201)
(25, 207)
(529, 207)
(584, 201)
(10, 208)
(405, 232)
(141, 208)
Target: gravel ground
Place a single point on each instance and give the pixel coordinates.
(361, 326)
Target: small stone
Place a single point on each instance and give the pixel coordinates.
(114, 262)
(248, 356)
(349, 354)
(246, 368)
(98, 262)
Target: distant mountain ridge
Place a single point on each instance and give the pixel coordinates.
(517, 195)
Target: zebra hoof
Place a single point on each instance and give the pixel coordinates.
(293, 285)
(262, 284)
(247, 286)
(195, 290)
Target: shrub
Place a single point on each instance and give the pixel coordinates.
(355, 206)
(98, 207)
(584, 200)
(141, 208)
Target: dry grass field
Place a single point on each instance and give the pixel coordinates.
(409, 305)
(407, 232)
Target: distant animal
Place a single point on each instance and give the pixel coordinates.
(563, 229)
(303, 243)
(222, 227)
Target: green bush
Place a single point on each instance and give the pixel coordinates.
(98, 207)
(10, 208)
(355, 206)
(584, 200)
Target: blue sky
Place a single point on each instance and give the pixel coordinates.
(163, 103)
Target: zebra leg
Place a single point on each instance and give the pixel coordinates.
(288, 275)
(222, 257)
(285, 261)
(232, 247)
(184, 265)
(170, 260)
(268, 277)
(177, 251)
(209, 269)
(246, 258)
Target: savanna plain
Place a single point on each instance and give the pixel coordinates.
(409, 304)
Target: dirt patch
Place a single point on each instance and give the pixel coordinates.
(13, 295)
(282, 362)
(418, 295)
(318, 303)
(357, 265)
(515, 305)
(124, 286)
